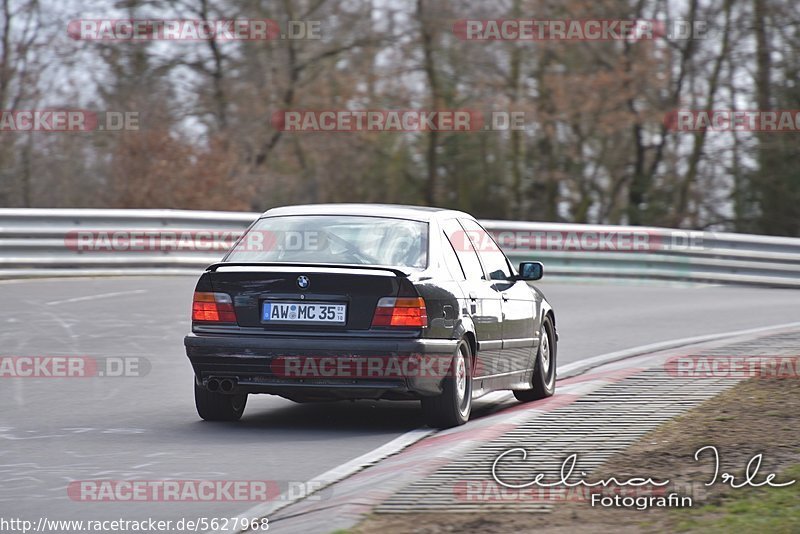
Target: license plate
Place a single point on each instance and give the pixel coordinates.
(303, 312)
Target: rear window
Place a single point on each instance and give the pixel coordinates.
(349, 240)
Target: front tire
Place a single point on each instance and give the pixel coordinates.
(453, 406)
(543, 381)
(213, 406)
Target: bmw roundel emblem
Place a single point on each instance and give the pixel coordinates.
(303, 282)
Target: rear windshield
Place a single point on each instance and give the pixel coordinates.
(335, 239)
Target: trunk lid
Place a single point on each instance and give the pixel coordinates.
(359, 288)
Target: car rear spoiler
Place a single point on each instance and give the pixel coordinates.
(214, 266)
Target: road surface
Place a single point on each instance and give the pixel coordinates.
(57, 430)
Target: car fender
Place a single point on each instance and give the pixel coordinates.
(463, 327)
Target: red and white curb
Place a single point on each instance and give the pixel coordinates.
(353, 489)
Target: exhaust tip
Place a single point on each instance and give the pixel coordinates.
(226, 385)
(212, 384)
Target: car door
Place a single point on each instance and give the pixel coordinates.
(483, 300)
(517, 305)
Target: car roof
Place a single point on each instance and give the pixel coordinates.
(398, 211)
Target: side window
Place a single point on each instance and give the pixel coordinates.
(451, 260)
(464, 249)
(492, 257)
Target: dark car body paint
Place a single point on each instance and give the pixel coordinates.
(505, 348)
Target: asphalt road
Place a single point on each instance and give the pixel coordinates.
(57, 430)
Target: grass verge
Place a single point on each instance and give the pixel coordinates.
(758, 416)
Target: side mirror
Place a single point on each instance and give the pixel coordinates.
(530, 270)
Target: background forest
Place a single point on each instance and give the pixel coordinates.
(595, 147)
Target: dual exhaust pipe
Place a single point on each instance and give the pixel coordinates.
(224, 385)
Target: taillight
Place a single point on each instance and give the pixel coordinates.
(213, 308)
(400, 311)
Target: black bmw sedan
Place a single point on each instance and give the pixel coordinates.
(352, 301)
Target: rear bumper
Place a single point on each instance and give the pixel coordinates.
(338, 368)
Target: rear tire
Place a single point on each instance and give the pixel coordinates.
(213, 406)
(453, 406)
(543, 381)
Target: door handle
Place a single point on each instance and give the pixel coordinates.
(473, 295)
(505, 297)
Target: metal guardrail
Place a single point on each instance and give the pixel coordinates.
(655, 253)
(42, 243)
